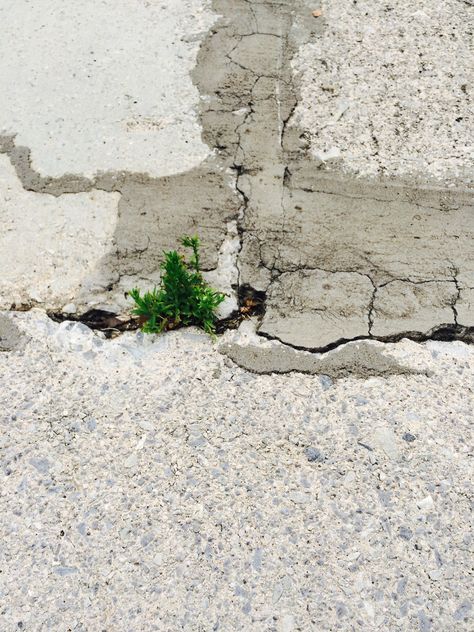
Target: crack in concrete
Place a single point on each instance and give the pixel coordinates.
(261, 177)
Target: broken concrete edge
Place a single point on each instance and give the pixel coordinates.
(243, 346)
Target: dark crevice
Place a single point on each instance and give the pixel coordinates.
(444, 333)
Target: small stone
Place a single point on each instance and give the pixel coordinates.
(63, 571)
(426, 503)
(70, 308)
(405, 533)
(462, 611)
(385, 439)
(132, 460)
(425, 623)
(408, 437)
(314, 455)
(42, 465)
(326, 382)
(287, 623)
(299, 498)
(196, 440)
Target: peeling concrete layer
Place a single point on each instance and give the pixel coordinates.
(338, 258)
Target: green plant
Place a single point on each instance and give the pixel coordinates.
(183, 297)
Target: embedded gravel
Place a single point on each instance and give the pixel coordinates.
(386, 89)
(151, 484)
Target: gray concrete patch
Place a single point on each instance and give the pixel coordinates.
(314, 308)
(357, 359)
(10, 335)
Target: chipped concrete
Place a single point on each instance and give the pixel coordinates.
(338, 257)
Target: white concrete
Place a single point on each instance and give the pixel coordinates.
(101, 85)
(48, 245)
(387, 88)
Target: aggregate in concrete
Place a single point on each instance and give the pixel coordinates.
(386, 89)
(150, 484)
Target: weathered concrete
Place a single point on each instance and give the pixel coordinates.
(338, 257)
(387, 89)
(49, 245)
(316, 308)
(148, 484)
(99, 86)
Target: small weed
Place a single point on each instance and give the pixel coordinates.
(183, 297)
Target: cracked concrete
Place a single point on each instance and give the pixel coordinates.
(338, 257)
(149, 483)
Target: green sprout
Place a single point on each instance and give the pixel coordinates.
(183, 297)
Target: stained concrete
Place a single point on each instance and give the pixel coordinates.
(338, 257)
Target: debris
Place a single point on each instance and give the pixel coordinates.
(317, 13)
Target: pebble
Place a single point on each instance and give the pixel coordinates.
(426, 503)
(131, 461)
(462, 611)
(405, 533)
(42, 465)
(62, 571)
(326, 382)
(386, 439)
(287, 623)
(408, 437)
(314, 455)
(70, 308)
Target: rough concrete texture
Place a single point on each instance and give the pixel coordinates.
(333, 253)
(387, 88)
(364, 358)
(149, 484)
(49, 245)
(76, 84)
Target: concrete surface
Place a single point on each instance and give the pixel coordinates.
(49, 245)
(387, 89)
(176, 483)
(103, 86)
(245, 91)
(150, 484)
